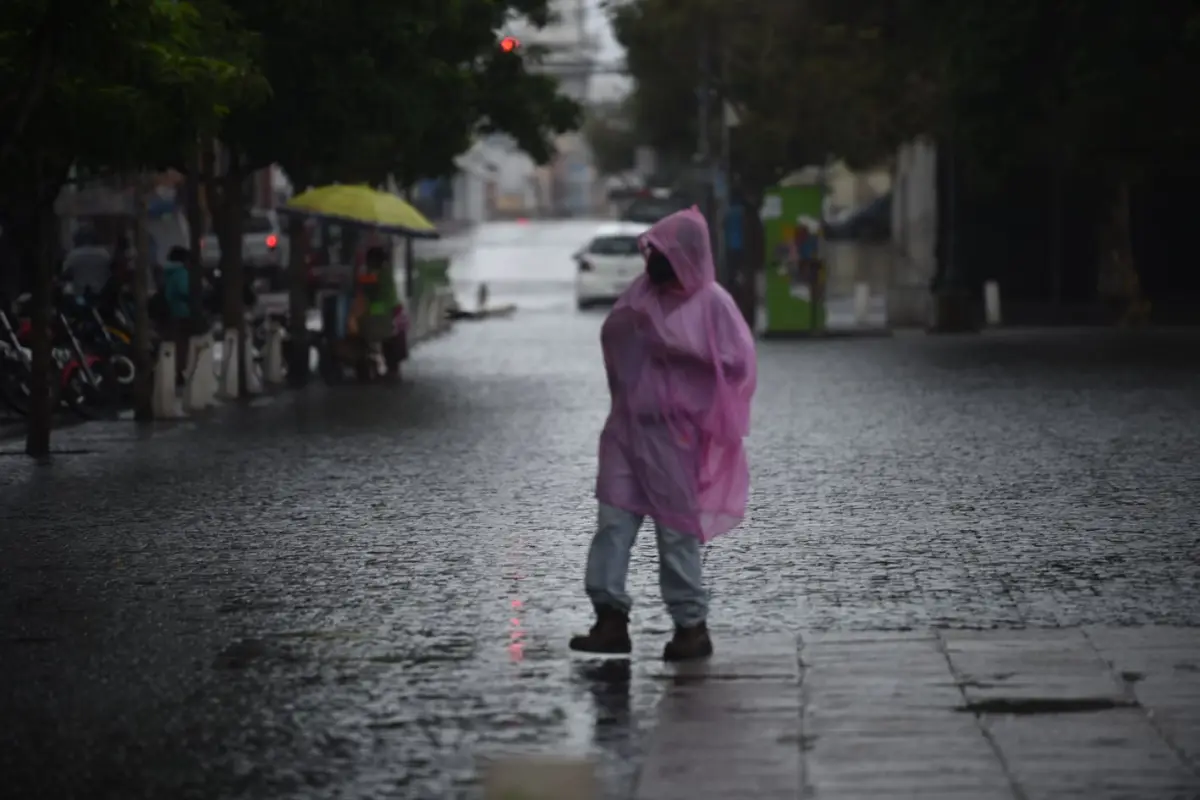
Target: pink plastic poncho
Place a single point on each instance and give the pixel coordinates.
(681, 372)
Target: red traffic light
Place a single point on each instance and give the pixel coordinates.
(509, 44)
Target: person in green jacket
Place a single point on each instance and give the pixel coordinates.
(177, 287)
(383, 297)
(384, 308)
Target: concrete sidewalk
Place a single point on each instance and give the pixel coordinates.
(1036, 713)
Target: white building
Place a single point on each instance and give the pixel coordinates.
(914, 234)
(513, 185)
(570, 45)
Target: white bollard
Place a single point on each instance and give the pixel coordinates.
(862, 303)
(254, 384)
(991, 302)
(273, 359)
(164, 402)
(432, 323)
(439, 312)
(448, 303)
(197, 392)
(227, 387)
(206, 372)
(431, 326)
(421, 319)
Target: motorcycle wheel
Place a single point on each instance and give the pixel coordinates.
(91, 401)
(15, 388)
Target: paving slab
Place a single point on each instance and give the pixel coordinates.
(1025, 714)
(880, 721)
(729, 729)
(1102, 755)
(1161, 667)
(1024, 667)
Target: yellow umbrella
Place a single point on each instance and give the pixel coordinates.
(363, 205)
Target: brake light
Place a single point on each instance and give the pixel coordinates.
(272, 240)
(584, 265)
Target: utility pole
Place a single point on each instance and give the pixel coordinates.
(703, 166)
(722, 172)
(702, 107)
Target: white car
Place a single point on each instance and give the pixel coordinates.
(606, 266)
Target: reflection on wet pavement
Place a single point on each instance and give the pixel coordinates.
(361, 592)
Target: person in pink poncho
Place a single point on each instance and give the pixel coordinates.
(681, 373)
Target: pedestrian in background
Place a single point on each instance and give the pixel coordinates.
(171, 306)
(681, 374)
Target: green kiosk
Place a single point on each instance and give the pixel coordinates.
(794, 294)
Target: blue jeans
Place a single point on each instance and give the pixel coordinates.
(679, 567)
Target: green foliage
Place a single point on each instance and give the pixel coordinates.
(105, 84)
(1102, 84)
(806, 80)
(612, 137)
(333, 91)
(363, 89)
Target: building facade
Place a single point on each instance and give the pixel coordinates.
(512, 185)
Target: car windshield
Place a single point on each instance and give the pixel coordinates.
(257, 223)
(614, 246)
(649, 210)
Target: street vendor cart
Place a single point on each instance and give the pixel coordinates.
(364, 323)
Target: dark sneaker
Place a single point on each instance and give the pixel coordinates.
(609, 636)
(688, 644)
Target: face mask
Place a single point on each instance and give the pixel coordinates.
(659, 269)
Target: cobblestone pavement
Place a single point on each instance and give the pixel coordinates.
(363, 592)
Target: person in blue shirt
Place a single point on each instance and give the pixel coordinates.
(171, 307)
(176, 284)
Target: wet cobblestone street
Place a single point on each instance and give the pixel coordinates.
(363, 591)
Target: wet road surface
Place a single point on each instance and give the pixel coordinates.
(362, 592)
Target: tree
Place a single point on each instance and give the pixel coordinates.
(368, 89)
(612, 136)
(93, 85)
(1097, 88)
(807, 78)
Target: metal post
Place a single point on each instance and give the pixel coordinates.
(702, 106)
(704, 166)
(724, 271)
(409, 262)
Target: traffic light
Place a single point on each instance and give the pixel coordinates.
(509, 44)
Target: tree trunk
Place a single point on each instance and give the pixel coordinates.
(1057, 233)
(955, 306)
(42, 398)
(143, 388)
(228, 212)
(410, 261)
(195, 218)
(297, 302)
(753, 257)
(1118, 277)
